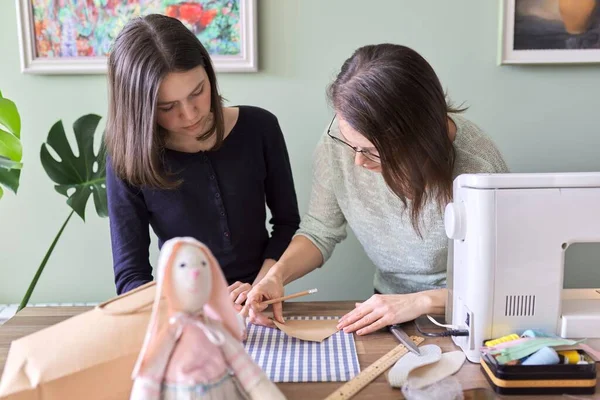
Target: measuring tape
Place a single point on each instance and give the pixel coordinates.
(366, 376)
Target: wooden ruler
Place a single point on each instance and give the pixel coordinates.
(366, 376)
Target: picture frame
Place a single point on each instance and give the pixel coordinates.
(43, 51)
(549, 32)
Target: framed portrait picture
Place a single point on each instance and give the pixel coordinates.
(75, 36)
(549, 31)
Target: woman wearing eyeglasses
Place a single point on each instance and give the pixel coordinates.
(385, 167)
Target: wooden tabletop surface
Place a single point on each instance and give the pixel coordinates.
(369, 349)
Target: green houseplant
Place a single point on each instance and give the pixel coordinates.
(11, 149)
(76, 177)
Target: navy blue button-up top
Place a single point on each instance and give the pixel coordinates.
(221, 202)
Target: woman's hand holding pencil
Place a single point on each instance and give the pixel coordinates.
(266, 292)
(269, 288)
(290, 296)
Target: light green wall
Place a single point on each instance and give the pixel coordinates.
(544, 118)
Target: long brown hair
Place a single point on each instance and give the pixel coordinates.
(391, 95)
(144, 52)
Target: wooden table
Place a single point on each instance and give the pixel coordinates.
(369, 349)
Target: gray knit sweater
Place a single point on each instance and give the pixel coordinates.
(345, 194)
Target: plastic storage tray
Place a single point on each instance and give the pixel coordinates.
(540, 379)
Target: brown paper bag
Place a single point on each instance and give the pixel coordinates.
(89, 356)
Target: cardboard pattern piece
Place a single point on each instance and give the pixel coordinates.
(315, 330)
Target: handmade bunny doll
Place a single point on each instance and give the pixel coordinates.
(198, 353)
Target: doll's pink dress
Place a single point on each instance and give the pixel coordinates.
(206, 363)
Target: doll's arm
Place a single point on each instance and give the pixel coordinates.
(159, 353)
(265, 390)
(145, 389)
(250, 376)
(147, 385)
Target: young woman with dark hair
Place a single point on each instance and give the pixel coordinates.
(182, 163)
(385, 166)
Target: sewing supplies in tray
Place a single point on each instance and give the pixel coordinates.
(535, 363)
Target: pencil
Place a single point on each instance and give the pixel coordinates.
(290, 296)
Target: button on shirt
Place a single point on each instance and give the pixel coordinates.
(221, 202)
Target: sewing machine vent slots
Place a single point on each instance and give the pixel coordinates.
(519, 306)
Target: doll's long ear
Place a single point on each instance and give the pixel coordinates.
(163, 274)
(219, 302)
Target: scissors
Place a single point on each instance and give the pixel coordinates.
(399, 333)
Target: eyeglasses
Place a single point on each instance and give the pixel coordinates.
(366, 153)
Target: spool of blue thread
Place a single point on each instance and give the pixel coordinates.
(544, 356)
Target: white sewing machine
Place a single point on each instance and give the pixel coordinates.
(506, 260)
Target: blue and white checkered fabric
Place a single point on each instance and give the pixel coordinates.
(287, 359)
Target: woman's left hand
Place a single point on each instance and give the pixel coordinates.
(381, 310)
(238, 292)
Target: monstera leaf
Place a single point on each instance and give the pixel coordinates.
(77, 177)
(11, 149)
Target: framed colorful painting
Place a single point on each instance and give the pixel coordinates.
(75, 36)
(549, 31)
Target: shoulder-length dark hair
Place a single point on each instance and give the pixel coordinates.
(391, 95)
(144, 52)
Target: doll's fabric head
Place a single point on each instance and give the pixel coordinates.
(206, 289)
(186, 276)
(190, 280)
